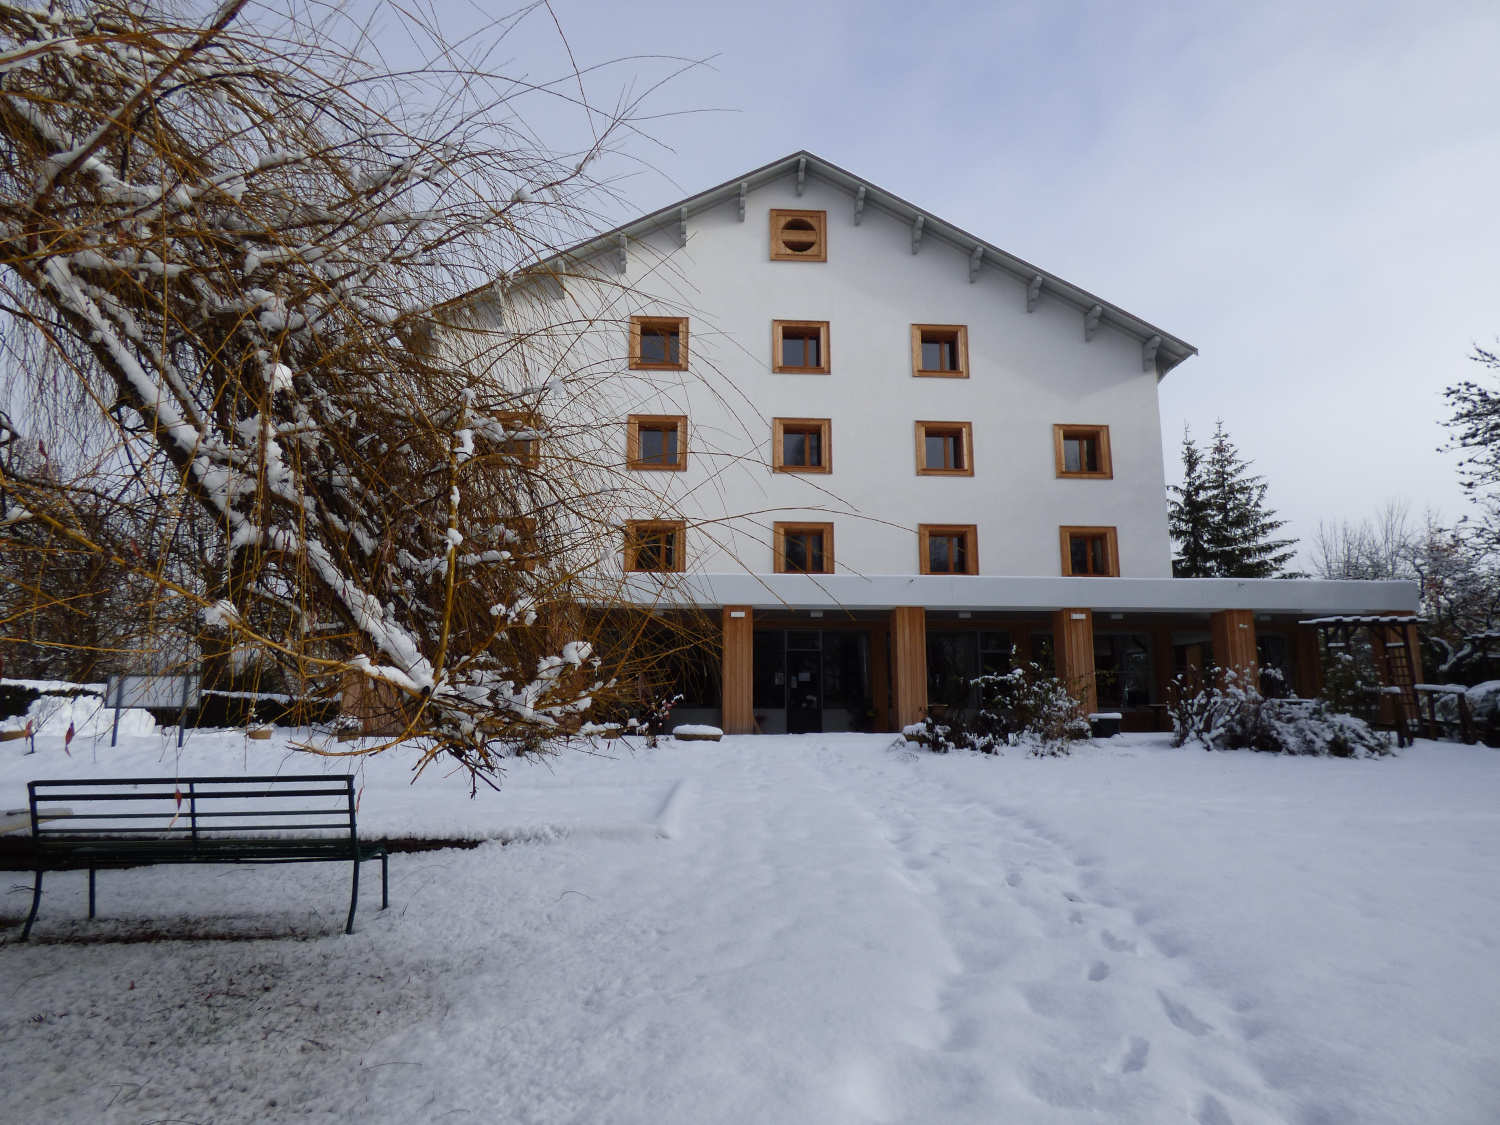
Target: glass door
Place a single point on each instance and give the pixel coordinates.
(804, 682)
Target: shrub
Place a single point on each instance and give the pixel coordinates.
(656, 712)
(1237, 717)
(1022, 707)
(941, 736)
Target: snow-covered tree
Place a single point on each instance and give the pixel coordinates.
(240, 243)
(1189, 516)
(1219, 518)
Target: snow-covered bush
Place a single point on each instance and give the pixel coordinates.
(1024, 707)
(944, 735)
(1235, 716)
(1483, 702)
(654, 715)
(1350, 680)
(1029, 706)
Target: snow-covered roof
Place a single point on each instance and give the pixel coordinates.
(1367, 619)
(1168, 350)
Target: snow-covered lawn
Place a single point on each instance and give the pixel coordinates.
(814, 929)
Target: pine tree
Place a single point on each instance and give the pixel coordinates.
(1220, 521)
(1189, 516)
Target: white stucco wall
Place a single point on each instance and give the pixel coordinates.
(1027, 372)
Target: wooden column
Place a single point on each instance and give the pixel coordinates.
(1163, 664)
(1309, 670)
(880, 676)
(1073, 648)
(909, 663)
(739, 670)
(1233, 631)
(1163, 670)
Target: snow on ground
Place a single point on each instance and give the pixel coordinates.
(794, 929)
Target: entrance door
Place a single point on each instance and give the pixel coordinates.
(804, 682)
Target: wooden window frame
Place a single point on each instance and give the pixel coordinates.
(961, 332)
(1061, 433)
(512, 420)
(819, 220)
(779, 427)
(778, 558)
(633, 528)
(777, 329)
(1111, 549)
(654, 421)
(971, 546)
(965, 428)
(639, 322)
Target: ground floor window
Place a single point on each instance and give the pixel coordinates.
(1273, 654)
(956, 657)
(1122, 669)
(812, 680)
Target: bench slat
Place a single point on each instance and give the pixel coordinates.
(202, 795)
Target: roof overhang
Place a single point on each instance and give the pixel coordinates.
(1168, 350)
(1310, 597)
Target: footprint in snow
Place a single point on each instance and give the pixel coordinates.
(1213, 1112)
(1098, 970)
(1182, 1016)
(1135, 1056)
(1116, 945)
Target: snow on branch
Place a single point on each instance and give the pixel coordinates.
(247, 265)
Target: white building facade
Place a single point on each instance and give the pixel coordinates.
(889, 455)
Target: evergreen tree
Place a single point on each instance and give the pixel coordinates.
(1189, 516)
(1219, 519)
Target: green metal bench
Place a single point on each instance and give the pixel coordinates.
(114, 823)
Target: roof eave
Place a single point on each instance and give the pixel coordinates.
(1170, 352)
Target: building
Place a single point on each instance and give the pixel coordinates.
(887, 454)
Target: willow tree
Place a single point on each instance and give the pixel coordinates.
(233, 239)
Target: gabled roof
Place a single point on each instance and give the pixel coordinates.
(1158, 347)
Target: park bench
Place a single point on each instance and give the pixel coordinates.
(115, 823)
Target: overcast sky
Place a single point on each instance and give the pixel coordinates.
(1305, 191)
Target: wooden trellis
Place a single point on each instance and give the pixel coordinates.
(1398, 662)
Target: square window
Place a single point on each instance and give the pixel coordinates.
(1089, 552)
(947, 549)
(945, 449)
(799, 236)
(799, 346)
(656, 442)
(658, 343)
(801, 445)
(654, 546)
(1082, 452)
(940, 350)
(804, 548)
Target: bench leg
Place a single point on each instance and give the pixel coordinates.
(385, 897)
(91, 893)
(353, 900)
(36, 901)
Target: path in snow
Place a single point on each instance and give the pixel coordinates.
(814, 929)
